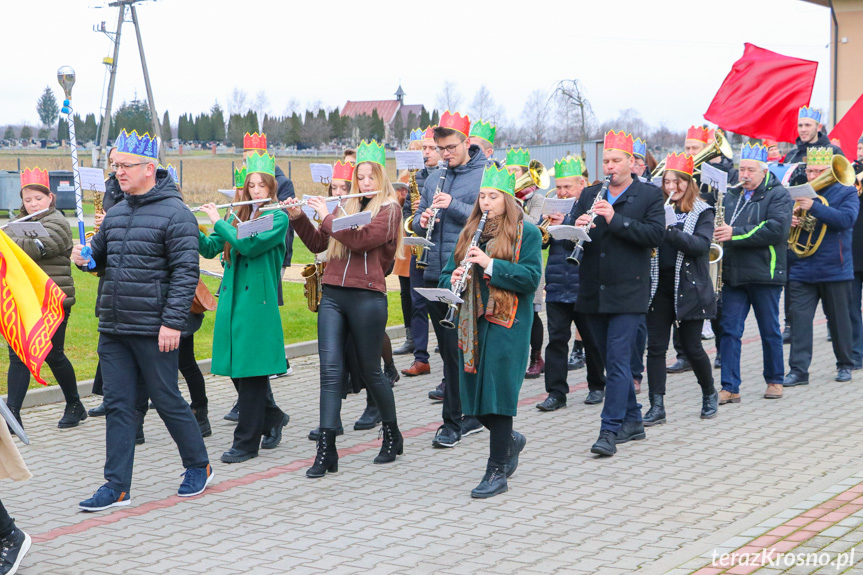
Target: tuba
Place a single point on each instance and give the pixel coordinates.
(313, 289)
(536, 175)
(840, 171)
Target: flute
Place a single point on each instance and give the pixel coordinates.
(303, 202)
(232, 204)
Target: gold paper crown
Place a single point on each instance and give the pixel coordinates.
(819, 156)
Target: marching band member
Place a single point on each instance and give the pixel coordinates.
(681, 291)
(810, 134)
(757, 215)
(248, 341)
(857, 282)
(147, 249)
(354, 299)
(518, 162)
(493, 333)
(459, 182)
(419, 320)
(639, 152)
(825, 275)
(773, 153)
(482, 134)
(561, 293)
(613, 289)
(51, 254)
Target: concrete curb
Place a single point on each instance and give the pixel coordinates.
(53, 393)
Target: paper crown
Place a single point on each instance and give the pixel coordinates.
(811, 113)
(240, 177)
(498, 179)
(755, 152)
(455, 122)
(416, 135)
(819, 156)
(429, 133)
(698, 133)
(618, 141)
(639, 148)
(568, 167)
(343, 171)
(711, 135)
(769, 143)
(143, 146)
(261, 163)
(683, 163)
(518, 157)
(172, 171)
(483, 130)
(371, 152)
(255, 141)
(35, 177)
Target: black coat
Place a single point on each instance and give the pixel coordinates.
(798, 155)
(615, 269)
(857, 238)
(148, 249)
(286, 190)
(757, 251)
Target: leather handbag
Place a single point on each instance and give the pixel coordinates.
(204, 300)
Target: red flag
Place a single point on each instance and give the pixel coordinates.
(849, 129)
(761, 95)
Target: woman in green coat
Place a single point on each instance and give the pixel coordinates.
(248, 339)
(495, 319)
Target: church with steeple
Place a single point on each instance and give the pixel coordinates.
(388, 110)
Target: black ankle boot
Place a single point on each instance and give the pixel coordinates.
(656, 414)
(203, 421)
(709, 405)
(327, 459)
(493, 483)
(393, 443)
(408, 346)
(74, 414)
(370, 417)
(391, 374)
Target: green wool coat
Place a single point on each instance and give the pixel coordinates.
(247, 339)
(503, 353)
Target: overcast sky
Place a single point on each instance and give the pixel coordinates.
(627, 53)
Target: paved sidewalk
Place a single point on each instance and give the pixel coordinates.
(659, 506)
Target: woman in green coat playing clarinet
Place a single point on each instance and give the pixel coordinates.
(247, 338)
(495, 319)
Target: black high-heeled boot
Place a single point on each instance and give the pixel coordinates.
(393, 443)
(370, 417)
(327, 459)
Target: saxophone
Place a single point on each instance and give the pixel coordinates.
(97, 204)
(715, 254)
(312, 274)
(413, 197)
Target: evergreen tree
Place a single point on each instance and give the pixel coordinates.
(166, 128)
(336, 126)
(412, 122)
(435, 118)
(425, 119)
(398, 129)
(63, 130)
(218, 119)
(10, 133)
(296, 129)
(47, 107)
(376, 128)
(80, 134)
(134, 115)
(26, 133)
(90, 128)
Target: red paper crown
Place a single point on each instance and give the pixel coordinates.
(429, 133)
(35, 177)
(343, 171)
(456, 122)
(698, 133)
(769, 143)
(255, 141)
(683, 163)
(618, 141)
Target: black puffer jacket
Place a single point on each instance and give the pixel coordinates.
(113, 194)
(148, 249)
(798, 155)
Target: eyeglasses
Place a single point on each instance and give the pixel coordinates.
(451, 148)
(125, 167)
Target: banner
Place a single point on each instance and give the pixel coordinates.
(849, 129)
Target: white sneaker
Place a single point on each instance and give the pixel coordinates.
(280, 375)
(707, 330)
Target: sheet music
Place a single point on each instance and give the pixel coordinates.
(409, 160)
(439, 294)
(352, 221)
(557, 205)
(803, 191)
(27, 229)
(714, 177)
(231, 193)
(418, 241)
(670, 216)
(92, 179)
(322, 173)
(256, 226)
(571, 233)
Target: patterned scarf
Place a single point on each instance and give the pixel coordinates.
(502, 304)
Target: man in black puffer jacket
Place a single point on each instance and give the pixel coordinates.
(148, 250)
(809, 135)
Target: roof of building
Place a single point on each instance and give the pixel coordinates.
(386, 109)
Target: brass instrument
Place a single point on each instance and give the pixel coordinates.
(312, 274)
(413, 197)
(715, 253)
(97, 204)
(458, 287)
(840, 171)
(719, 147)
(536, 175)
(543, 229)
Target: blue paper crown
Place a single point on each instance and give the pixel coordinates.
(172, 171)
(756, 152)
(143, 146)
(811, 113)
(417, 135)
(639, 148)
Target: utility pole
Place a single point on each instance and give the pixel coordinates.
(102, 157)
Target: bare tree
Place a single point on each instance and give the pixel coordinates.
(238, 102)
(483, 107)
(293, 107)
(535, 115)
(449, 97)
(262, 104)
(572, 100)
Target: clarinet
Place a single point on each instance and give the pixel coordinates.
(458, 287)
(578, 250)
(423, 258)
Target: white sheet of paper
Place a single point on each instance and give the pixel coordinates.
(321, 173)
(409, 160)
(27, 229)
(557, 205)
(92, 179)
(417, 241)
(714, 177)
(802, 191)
(439, 294)
(352, 221)
(231, 192)
(571, 233)
(670, 216)
(311, 212)
(252, 227)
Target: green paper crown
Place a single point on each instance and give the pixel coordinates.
(240, 177)
(371, 152)
(568, 167)
(819, 156)
(518, 157)
(499, 179)
(261, 163)
(483, 130)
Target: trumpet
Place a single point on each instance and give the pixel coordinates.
(423, 258)
(305, 201)
(458, 287)
(578, 250)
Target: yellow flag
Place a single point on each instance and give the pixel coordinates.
(31, 306)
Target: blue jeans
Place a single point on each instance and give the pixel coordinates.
(764, 301)
(857, 318)
(615, 336)
(636, 362)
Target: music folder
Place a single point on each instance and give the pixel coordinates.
(570, 233)
(352, 221)
(417, 241)
(439, 294)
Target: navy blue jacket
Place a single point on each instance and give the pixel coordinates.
(561, 277)
(833, 260)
